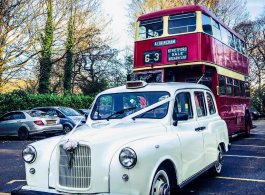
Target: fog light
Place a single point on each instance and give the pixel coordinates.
(32, 170)
(125, 177)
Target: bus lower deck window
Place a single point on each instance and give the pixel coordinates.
(242, 89)
(182, 23)
(236, 87)
(247, 89)
(229, 87)
(151, 28)
(222, 88)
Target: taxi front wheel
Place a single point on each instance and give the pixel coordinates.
(160, 185)
(216, 169)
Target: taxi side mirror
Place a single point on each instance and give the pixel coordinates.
(182, 116)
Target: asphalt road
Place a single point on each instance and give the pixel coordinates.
(243, 171)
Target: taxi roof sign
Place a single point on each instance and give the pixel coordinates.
(135, 84)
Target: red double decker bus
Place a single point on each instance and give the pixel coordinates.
(190, 44)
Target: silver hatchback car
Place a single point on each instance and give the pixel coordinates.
(25, 123)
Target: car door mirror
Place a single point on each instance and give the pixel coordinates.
(86, 115)
(182, 116)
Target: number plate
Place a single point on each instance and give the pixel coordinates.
(151, 57)
(51, 122)
(177, 53)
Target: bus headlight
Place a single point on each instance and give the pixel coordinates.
(29, 154)
(128, 158)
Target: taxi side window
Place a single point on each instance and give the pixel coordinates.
(183, 104)
(210, 102)
(200, 104)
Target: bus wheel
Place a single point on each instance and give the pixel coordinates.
(247, 125)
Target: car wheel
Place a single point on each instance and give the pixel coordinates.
(23, 133)
(66, 129)
(247, 126)
(216, 169)
(160, 183)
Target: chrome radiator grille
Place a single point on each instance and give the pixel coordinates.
(78, 176)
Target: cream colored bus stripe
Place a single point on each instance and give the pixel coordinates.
(220, 70)
(242, 179)
(1, 193)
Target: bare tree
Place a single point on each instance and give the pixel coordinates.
(253, 33)
(16, 35)
(230, 12)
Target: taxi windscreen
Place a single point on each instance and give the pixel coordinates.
(120, 105)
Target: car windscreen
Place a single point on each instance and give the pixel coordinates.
(37, 113)
(69, 111)
(120, 105)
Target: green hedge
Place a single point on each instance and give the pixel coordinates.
(20, 100)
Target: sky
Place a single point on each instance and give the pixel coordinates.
(116, 9)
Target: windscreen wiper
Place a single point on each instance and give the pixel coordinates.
(120, 112)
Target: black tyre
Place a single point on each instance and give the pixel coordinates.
(66, 129)
(23, 133)
(247, 125)
(160, 184)
(216, 169)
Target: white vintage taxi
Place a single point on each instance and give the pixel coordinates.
(138, 139)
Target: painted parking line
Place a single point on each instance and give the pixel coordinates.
(241, 179)
(253, 138)
(248, 145)
(245, 156)
(14, 181)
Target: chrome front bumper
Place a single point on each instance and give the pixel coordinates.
(26, 190)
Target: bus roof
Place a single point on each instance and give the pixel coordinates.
(184, 9)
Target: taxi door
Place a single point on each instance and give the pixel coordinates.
(206, 115)
(191, 140)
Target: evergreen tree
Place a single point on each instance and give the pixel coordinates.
(46, 52)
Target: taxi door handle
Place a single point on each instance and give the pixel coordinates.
(200, 128)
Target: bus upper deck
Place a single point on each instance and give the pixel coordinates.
(188, 36)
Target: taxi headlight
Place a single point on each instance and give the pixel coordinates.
(29, 154)
(128, 158)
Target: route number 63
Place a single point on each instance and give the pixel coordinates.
(152, 57)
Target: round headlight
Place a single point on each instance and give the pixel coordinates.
(29, 154)
(128, 158)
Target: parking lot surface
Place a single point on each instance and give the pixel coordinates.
(243, 171)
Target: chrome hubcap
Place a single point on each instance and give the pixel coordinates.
(218, 166)
(161, 184)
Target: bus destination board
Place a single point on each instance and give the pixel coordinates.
(165, 42)
(151, 57)
(177, 53)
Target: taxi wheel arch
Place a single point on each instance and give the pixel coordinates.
(216, 169)
(171, 171)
